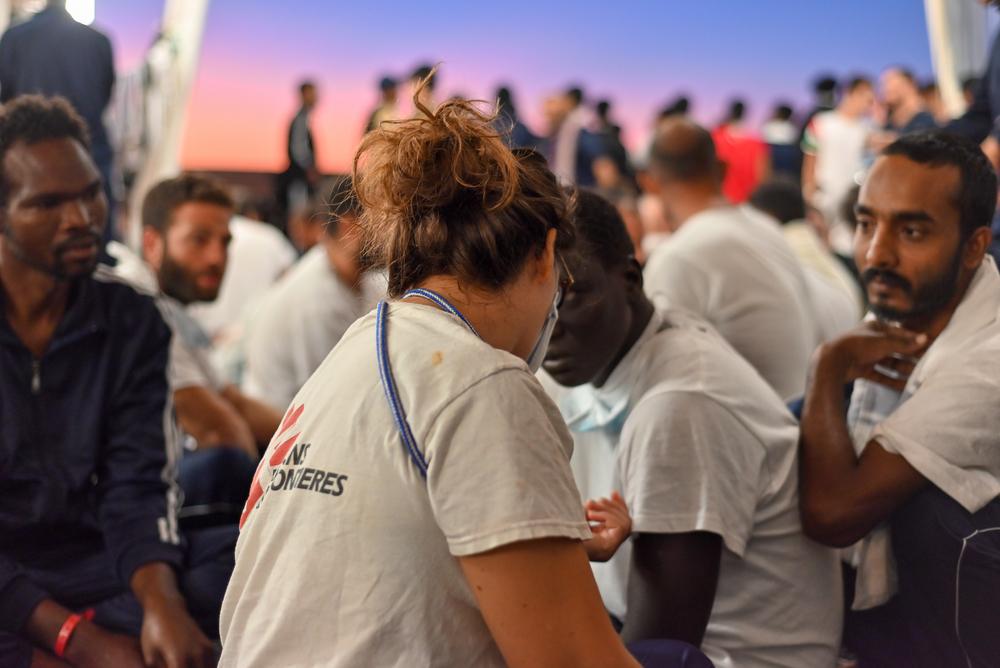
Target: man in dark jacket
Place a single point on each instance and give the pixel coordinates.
(92, 565)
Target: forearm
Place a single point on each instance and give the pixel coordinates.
(261, 418)
(808, 176)
(827, 460)
(42, 627)
(155, 587)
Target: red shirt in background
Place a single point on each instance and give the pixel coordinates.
(746, 159)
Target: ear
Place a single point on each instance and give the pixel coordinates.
(648, 182)
(976, 247)
(546, 263)
(152, 247)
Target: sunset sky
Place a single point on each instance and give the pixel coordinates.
(639, 54)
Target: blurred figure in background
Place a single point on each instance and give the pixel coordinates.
(305, 224)
(53, 54)
(742, 152)
(579, 155)
(612, 134)
(734, 270)
(781, 136)
(981, 121)
(301, 319)
(824, 99)
(299, 180)
(386, 109)
(931, 96)
(509, 124)
(424, 94)
(969, 85)
(905, 107)
(834, 148)
(836, 296)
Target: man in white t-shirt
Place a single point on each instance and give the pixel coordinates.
(258, 256)
(301, 319)
(734, 270)
(185, 236)
(705, 454)
(834, 148)
(909, 472)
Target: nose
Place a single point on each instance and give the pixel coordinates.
(881, 251)
(217, 254)
(76, 215)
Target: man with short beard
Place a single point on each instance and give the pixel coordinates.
(185, 224)
(92, 566)
(910, 478)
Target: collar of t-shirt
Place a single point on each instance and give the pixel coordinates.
(589, 408)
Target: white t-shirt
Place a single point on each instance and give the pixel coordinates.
(736, 271)
(258, 255)
(838, 142)
(348, 557)
(945, 422)
(699, 442)
(296, 325)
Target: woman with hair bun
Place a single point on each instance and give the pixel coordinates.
(416, 507)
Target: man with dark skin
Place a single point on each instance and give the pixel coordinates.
(918, 450)
(52, 216)
(704, 453)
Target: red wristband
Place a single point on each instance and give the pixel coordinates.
(65, 633)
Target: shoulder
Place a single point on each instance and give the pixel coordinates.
(134, 315)
(122, 296)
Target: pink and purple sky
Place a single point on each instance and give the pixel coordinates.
(638, 53)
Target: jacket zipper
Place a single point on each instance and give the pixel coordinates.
(36, 377)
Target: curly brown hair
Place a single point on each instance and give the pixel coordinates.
(443, 194)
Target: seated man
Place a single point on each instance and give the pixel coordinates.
(705, 455)
(733, 270)
(913, 472)
(185, 224)
(301, 319)
(87, 500)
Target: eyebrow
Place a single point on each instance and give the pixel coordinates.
(65, 196)
(915, 216)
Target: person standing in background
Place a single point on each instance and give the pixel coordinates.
(52, 54)
(299, 181)
(386, 109)
(834, 148)
(744, 154)
(780, 134)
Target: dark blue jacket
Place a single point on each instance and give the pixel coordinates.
(51, 54)
(87, 444)
(982, 118)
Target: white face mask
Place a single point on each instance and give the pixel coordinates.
(537, 355)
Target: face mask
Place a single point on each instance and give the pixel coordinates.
(588, 409)
(537, 355)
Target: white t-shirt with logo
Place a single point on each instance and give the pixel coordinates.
(297, 323)
(736, 271)
(698, 442)
(347, 556)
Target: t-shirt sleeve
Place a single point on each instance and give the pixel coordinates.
(498, 467)
(672, 282)
(949, 431)
(687, 464)
(190, 368)
(810, 138)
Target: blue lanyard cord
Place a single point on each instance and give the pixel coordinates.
(389, 385)
(441, 303)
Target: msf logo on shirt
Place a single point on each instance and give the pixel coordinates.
(287, 473)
